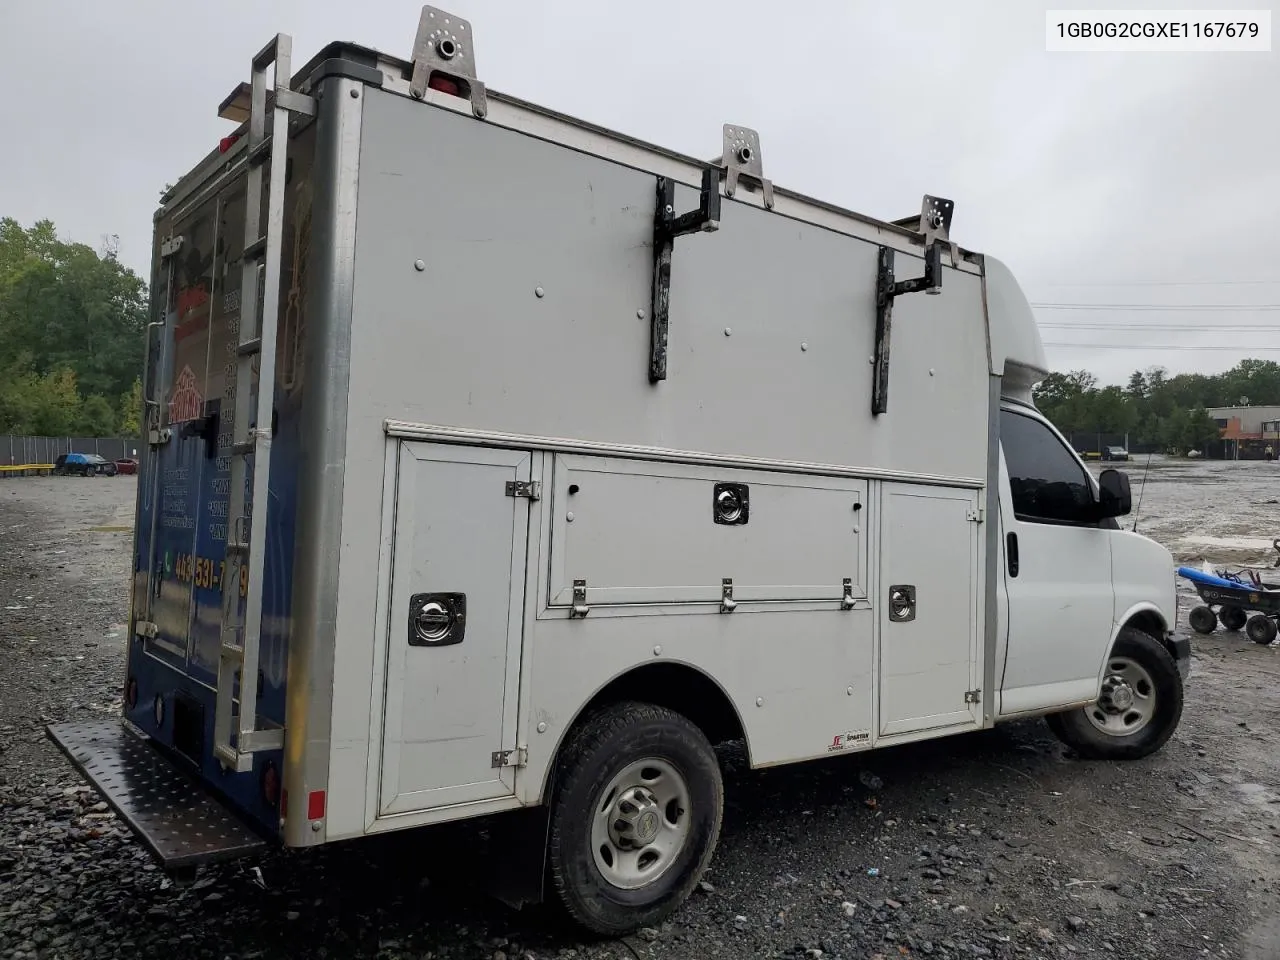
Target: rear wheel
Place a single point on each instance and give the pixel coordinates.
(635, 817)
(1233, 618)
(1260, 629)
(1202, 619)
(1138, 707)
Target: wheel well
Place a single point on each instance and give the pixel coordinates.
(678, 687)
(1153, 625)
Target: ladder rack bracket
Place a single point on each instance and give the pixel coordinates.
(445, 47)
(935, 219)
(740, 159)
(666, 227)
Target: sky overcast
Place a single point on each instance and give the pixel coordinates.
(1119, 178)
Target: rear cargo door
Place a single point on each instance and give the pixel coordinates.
(455, 625)
(930, 650)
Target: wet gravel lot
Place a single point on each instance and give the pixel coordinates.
(997, 844)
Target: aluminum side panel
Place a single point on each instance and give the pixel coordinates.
(530, 311)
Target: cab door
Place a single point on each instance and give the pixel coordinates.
(1056, 569)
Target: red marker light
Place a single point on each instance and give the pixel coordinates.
(226, 143)
(442, 83)
(315, 805)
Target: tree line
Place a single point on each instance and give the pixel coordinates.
(72, 328)
(1155, 409)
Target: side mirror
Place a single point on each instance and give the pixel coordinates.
(1116, 500)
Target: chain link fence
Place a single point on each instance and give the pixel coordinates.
(18, 451)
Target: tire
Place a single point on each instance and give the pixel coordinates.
(1233, 618)
(1202, 619)
(1146, 663)
(583, 870)
(1260, 629)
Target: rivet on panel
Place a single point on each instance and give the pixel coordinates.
(931, 371)
(759, 701)
(569, 517)
(539, 292)
(850, 691)
(419, 265)
(542, 728)
(657, 651)
(728, 331)
(803, 346)
(354, 94)
(316, 826)
(871, 360)
(640, 314)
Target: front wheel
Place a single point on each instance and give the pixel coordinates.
(634, 819)
(1203, 619)
(1138, 707)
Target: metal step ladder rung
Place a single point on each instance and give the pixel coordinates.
(256, 250)
(243, 448)
(259, 154)
(249, 348)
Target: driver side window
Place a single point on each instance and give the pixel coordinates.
(1047, 482)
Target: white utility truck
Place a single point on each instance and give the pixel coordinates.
(569, 457)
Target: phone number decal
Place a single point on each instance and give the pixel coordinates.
(206, 573)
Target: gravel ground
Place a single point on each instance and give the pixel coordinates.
(997, 844)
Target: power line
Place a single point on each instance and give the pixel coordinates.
(1246, 349)
(1167, 283)
(1171, 307)
(1165, 327)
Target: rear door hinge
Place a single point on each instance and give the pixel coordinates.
(147, 629)
(529, 489)
(973, 696)
(519, 757)
(976, 514)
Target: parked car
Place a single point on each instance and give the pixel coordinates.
(127, 465)
(1115, 453)
(83, 465)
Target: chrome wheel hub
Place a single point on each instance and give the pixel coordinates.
(641, 823)
(1127, 701)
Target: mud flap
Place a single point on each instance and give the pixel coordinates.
(517, 870)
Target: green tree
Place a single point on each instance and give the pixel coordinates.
(130, 412)
(97, 419)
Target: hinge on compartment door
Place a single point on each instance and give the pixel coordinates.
(519, 757)
(146, 629)
(973, 696)
(529, 489)
(976, 514)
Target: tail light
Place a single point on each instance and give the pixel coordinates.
(271, 784)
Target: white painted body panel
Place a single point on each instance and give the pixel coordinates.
(518, 350)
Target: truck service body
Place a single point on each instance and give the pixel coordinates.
(580, 455)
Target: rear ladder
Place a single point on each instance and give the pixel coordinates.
(236, 734)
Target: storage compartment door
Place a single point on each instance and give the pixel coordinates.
(454, 626)
(930, 651)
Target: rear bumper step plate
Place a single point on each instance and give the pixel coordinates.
(171, 812)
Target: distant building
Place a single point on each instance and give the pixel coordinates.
(1246, 431)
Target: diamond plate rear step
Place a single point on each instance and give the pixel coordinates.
(177, 819)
